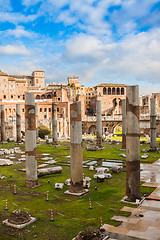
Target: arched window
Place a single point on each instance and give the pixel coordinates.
(23, 97)
(45, 110)
(118, 91)
(38, 97)
(113, 91)
(109, 91)
(4, 96)
(104, 91)
(43, 96)
(11, 96)
(49, 96)
(40, 109)
(122, 91)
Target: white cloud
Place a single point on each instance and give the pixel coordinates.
(5, 5)
(16, 18)
(19, 32)
(14, 50)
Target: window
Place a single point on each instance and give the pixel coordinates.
(40, 109)
(22, 109)
(18, 96)
(109, 91)
(118, 91)
(57, 109)
(23, 97)
(11, 96)
(59, 99)
(122, 91)
(45, 116)
(4, 96)
(104, 91)
(49, 109)
(45, 110)
(113, 91)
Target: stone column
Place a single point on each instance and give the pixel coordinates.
(18, 123)
(132, 144)
(36, 116)
(2, 124)
(76, 186)
(153, 144)
(64, 123)
(124, 124)
(99, 123)
(30, 141)
(54, 124)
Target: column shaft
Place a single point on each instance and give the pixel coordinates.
(18, 123)
(99, 124)
(30, 141)
(124, 124)
(76, 148)
(2, 124)
(54, 124)
(153, 144)
(132, 144)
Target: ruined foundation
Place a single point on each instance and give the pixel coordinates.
(132, 145)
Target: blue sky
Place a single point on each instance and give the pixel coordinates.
(101, 41)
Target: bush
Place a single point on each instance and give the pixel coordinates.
(43, 130)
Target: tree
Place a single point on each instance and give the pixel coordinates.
(43, 130)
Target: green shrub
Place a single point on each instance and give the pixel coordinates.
(43, 130)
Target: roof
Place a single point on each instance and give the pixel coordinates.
(111, 85)
(18, 76)
(11, 78)
(3, 74)
(38, 71)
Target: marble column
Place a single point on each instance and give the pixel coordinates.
(64, 123)
(54, 124)
(3, 138)
(153, 144)
(36, 116)
(132, 144)
(30, 141)
(18, 123)
(99, 124)
(76, 149)
(124, 124)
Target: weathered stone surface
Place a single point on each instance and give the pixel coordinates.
(59, 186)
(47, 171)
(116, 169)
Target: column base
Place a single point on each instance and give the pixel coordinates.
(32, 183)
(76, 194)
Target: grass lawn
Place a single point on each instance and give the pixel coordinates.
(71, 214)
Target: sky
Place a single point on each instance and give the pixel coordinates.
(100, 41)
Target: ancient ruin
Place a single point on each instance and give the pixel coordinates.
(99, 124)
(54, 124)
(30, 141)
(124, 124)
(18, 123)
(132, 144)
(153, 144)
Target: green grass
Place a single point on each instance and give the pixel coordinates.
(71, 214)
